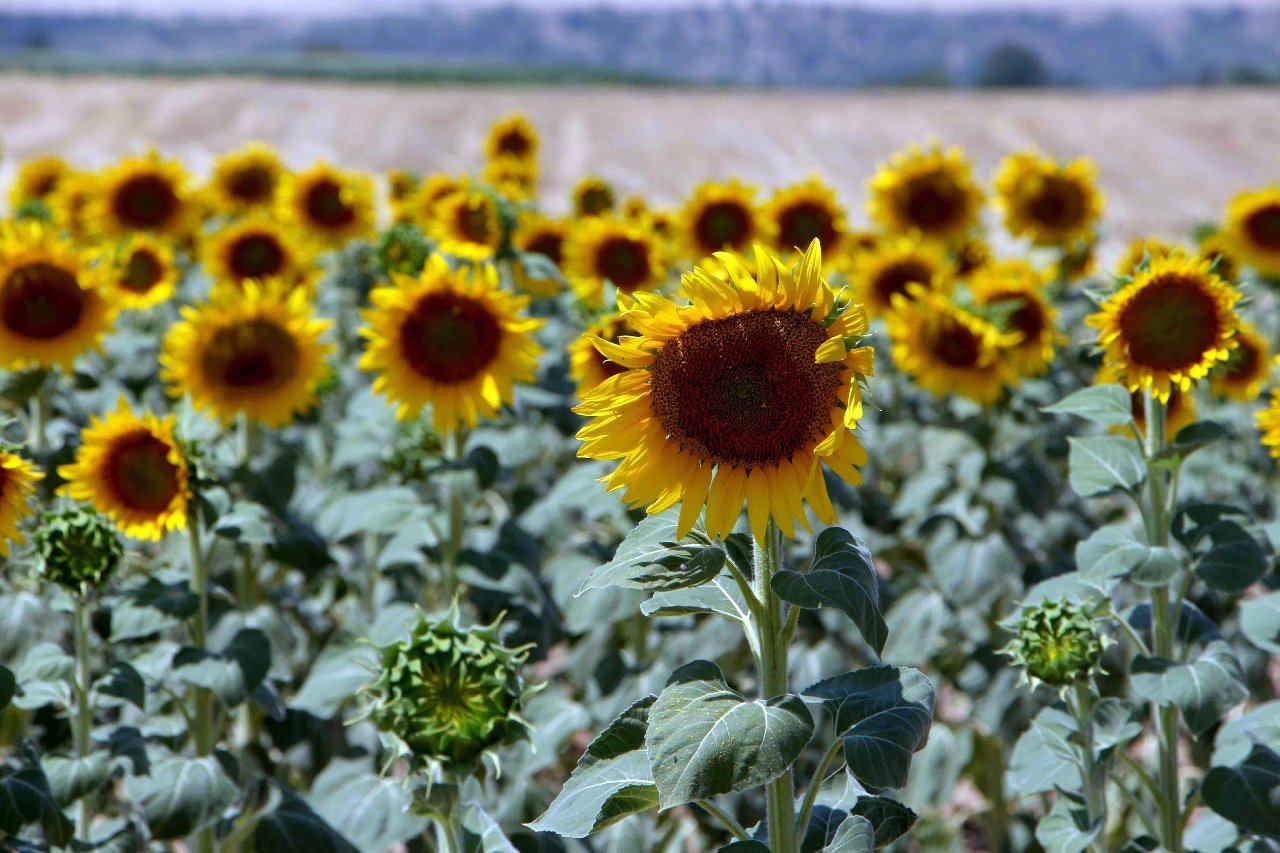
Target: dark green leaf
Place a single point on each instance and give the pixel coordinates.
(1114, 552)
(8, 684)
(890, 818)
(123, 682)
(182, 795)
(246, 522)
(1234, 559)
(1249, 794)
(231, 674)
(294, 828)
(25, 799)
(842, 576)
(151, 607)
(1203, 690)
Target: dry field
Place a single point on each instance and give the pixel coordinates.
(1167, 159)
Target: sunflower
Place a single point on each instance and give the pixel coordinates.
(946, 349)
(720, 217)
(37, 178)
(467, 225)
(1180, 411)
(421, 205)
(246, 179)
(607, 249)
(1150, 249)
(401, 183)
(255, 247)
(1050, 203)
(1268, 421)
(970, 255)
(588, 366)
(635, 207)
(879, 274)
(514, 178)
(593, 196)
(17, 481)
(737, 397)
(797, 215)
(931, 192)
(141, 194)
(450, 338)
(252, 349)
(1253, 227)
(1219, 250)
(540, 235)
(132, 470)
(144, 272)
(512, 136)
(1169, 327)
(1077, 261)
(328, 205)
(1246, 370)
(1015, 290)
(69, 204)
(52, 306)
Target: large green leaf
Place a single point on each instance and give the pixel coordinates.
(1114, 552)
(481, 833)
(25, 799)
(841, 576)
(152, 606)
(1067, 828)
(71, 778)
(371, 812)
(124, 682)
(612, 779)
(720, 595)
(1248, 794)
(652, 557)
(1203, 690)
(855, 835)
(292, 827)
(232, 674)
(182, 795)
(1260, 621)
(1238, 735)
(704, 739)
(1103, 463)
(1105, 405)
(1233, 561)
(339, 673)
(890, 818)
(1044, 758)
(883, 715)
(44, 677)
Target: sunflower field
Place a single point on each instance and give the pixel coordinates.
(353, 512)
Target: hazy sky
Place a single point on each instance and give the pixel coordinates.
(304, 8)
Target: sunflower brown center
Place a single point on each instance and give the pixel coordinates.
(1026, 317)
(894, 278)
(745, 390)
(474, 222)
(41, 301)
(723, 224)
(256, 256)
(955, 344)
(142, 271)
(326, 206)
(514, 142)
(932, 203)
(251, 184)
(450, 338)
(141, 473)
(1263, 226)
(623, 261)
(254, 355)
(1171, 323)
(549, 244)
(44, 185)
(596, 200)
(804, 221)
(145, 202)
(1058, 203)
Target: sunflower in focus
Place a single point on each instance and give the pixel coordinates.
(255, 248)
(18, 479)
(797, 215)
(946, 349)
(131, 468)
(720, 217)
(512, 136)
(421, 205)
(52, 305)
(450, 338)
(1149, 249)
(1169, 327)
(593, 196)
(467, 225)
(254, 349)
(737, 397)
(1218, 249)
(929, 191)
(1253, 227)
(880, 274)
(328, 205)
(144, 272)
(588, 366)
(1246, 370)
(607, 249)
(539, 235)
(141, 194)
(1050, 203)
(246, 179)
(1014, 290)
(37, 179)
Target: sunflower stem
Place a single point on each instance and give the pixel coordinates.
(84, 712)
(815, 785)
(1095, 793)
(772, 664)
(39, 417)
(1162, 631)
(452, 547)
(247, 578)
(202, 734)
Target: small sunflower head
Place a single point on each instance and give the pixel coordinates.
(448, 695)
(402, 249)
(1057, 642)
(77, 547)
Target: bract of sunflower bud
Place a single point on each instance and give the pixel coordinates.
(448, 695)
(402, 249)
(1057, 642)
(78, 548)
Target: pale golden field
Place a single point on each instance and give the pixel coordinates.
(1167, 159)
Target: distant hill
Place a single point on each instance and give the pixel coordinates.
(761, 44)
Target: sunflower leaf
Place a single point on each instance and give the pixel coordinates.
(1105, 405)
(1103, 463)
(841, 576)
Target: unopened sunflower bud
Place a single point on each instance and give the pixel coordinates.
(1057, 642)
(77, 547)
(403, 249)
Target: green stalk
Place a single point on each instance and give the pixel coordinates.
(452, 547)
(203, 717)
(772, 663)
(1095, 786)
(39, 416)
(84, 712)
(250, 718)
(1162, 633)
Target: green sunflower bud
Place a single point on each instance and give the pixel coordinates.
(449, 695)
(415, 447)
(402, 249)
(77, 547)
(1057, 642)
